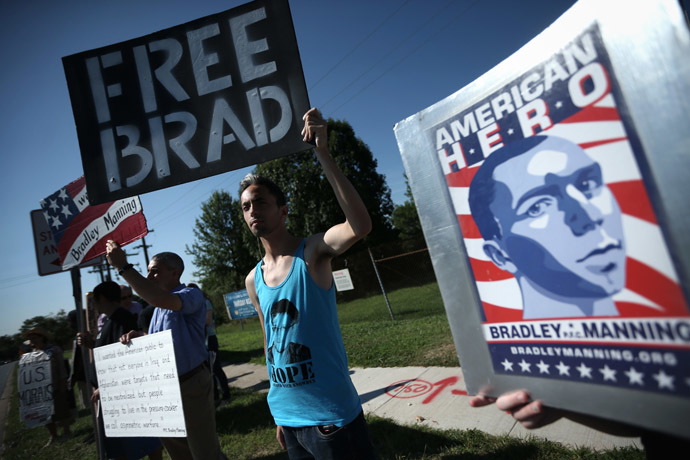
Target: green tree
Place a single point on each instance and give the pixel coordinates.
(406, 221)
(57, 325)
(313, 206)
(9, 346)
(224, 250)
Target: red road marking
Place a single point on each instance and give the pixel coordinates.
(408, 388)
(413, 388)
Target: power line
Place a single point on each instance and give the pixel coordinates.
(22, 283)
(380, 60)
(16, 278)
(194, 202)
(407, 55)
(348, 54)
(176, 200)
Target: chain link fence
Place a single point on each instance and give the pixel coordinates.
(400, 264)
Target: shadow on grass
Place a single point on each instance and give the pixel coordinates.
(243, 416)
(236, 357)
(84, 433)
(413, 314)
(280, 456)
(394, 441)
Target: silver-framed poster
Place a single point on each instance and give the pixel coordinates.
(552, 194)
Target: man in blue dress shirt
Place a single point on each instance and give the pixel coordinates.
(182, 310)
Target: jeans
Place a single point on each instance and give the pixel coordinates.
(350, 442)
(201, 442)
(220, 379)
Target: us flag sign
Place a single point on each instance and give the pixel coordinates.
(80, 231)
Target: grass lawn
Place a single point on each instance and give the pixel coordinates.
(246, 431)
(419, 336)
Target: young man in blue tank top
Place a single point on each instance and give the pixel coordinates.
(312, 399)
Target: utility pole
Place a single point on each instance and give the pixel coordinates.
(107, 265)
(103, 269)
(98, 269)
(145, 247)
(76, 292)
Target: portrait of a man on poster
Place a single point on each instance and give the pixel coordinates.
(548, 218)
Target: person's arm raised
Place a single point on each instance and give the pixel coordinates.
(146, 288)
(357, 225)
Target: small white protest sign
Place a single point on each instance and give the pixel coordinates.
(342, 279)
(139, 387)
(35, 389)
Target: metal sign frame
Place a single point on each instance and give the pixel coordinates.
(647, 49)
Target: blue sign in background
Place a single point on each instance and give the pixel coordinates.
(239, 305)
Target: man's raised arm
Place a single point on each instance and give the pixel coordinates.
(144, 287)
(357, 223)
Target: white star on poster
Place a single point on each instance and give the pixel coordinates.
(559, 104)
(63, 195)
(53, 205)
(608, 373)
(511, 131)
(471, 151)
(584, 371)
(543, 367)
(563, 369)
(56, 222)
(524, 366)
(507, 365)
(664, 380)
(634, 376)
(66, 211)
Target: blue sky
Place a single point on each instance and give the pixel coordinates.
(370, 62)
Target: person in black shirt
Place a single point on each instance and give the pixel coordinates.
(106, 298)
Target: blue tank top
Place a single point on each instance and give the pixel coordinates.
(305, 358)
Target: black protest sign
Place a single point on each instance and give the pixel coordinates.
(202, 98)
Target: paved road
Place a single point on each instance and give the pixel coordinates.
(5, 371)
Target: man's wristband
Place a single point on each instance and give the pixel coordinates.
(124, 269)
